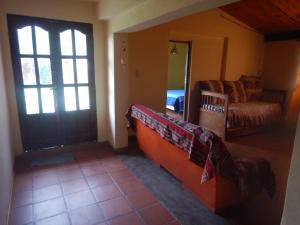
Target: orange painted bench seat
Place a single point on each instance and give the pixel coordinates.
(217, 194)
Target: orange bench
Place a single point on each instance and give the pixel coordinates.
(217, 194)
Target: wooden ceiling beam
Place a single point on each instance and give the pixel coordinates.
(267, 16)
(290, 7)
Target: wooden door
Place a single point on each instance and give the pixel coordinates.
(54, 78)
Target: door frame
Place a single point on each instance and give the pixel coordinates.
(187, 78)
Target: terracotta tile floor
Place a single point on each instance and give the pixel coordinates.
(96, 189)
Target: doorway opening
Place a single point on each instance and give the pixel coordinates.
(178, 79)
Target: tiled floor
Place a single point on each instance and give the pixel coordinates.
(95, 189)
(99, 189)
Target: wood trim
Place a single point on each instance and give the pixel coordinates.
(175, 41)
(187, 83)
(294, 35)
(24, 158)
(225, 115)
(276, 95)
(9, 208)
(215, 121)
(214, 94)
(224, 58)
(118, 150)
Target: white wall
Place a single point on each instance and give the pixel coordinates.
(291, 212)
(6, 162)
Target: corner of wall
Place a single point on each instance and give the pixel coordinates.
(291, 209)
(6, 153)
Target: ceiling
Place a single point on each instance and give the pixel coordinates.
(267, 16)
(86, 0)
(111, 8)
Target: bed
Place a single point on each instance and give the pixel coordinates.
(219, 113)
(175, 100)
(199, 159)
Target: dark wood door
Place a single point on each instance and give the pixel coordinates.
(54, 78)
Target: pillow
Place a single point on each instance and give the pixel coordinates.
(236, 91)
(212, 85)
(253, 87)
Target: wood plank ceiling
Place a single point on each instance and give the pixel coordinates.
(267, 16)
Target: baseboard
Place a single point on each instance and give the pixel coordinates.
(117, 150)
(66, 148)
(132, 142)
(10, 201)
(121, 149)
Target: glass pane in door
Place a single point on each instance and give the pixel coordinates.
(44, 66)
(31, 101)
(42, 41)
(82, 71)
(70, 98)
(68, 71)
(48, 105)
(28, 71)
(84, 98)
(80, 43)
(66, 42)
(25, 40)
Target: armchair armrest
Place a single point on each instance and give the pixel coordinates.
(271, 95)
(213, 112)
(213, 101)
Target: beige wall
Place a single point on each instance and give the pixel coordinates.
(137, 17)
(177, 65)
(132, 17)
(291, 210)
(6, 162)
(121, 89)
(148, 52)
(64, 10)
(281, 71)
(148, 67)
(110, 8)
(145, 14)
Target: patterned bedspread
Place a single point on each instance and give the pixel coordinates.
(206, 150)
(252, 114)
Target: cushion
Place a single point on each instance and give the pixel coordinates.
(253, 87)
(235, 91)
(253, 114)
(212, 85)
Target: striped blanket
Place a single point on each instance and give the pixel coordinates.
(206, 150)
